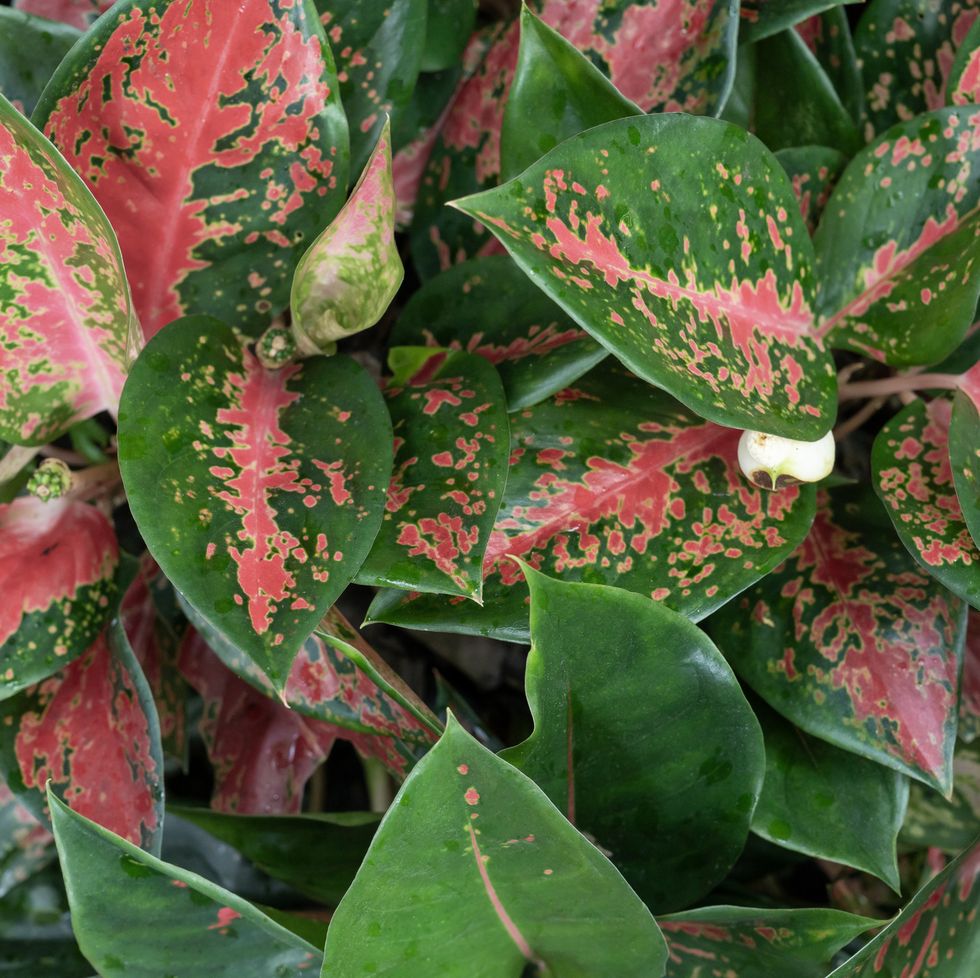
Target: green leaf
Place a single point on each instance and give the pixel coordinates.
(898, 249)
(448, 28)
(829, 803)
(963, 84)
(258, 492)
(969, 728)
(350, 274)
(473, 873)
(30, 50)
(136, 916)
(813, 172)
(964, 451)
(750, 943)
(613, 482)
(441, 504)
(935, 928)
(828, 36)
(240, 157)
(556, 93)
(671, 800)
(727, 330)
(761, 18)
(914, 479)
(489, 307)
(318, 855)
(796, 104)
(853, 643)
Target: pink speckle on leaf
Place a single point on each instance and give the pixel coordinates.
(472, 796)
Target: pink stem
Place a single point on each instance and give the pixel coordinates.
(896, 385)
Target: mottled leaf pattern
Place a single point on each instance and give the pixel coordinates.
(30, 50)
(725, 326)
(442, 504)
(474, 872)
(851, 641)
(898, 249)
(64, 304)
(489, 307)
(57, 563)
(761, 18)
(237, 184)
(77, 13)
(25, 844)
(670, 800)
(963, 84)
(258, 492)
(613, 482)
(813, 171)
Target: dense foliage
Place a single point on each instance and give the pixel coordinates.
(450, 320)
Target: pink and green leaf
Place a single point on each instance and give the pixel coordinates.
(57, 565)
(762, 18)
(64, 304)
(258, 492)
(963, 84)
(238, 182)
(349, 275)
(441, 504)
(30, 50)
(853, 642)
(613, 482)
(813, 172)
(725, 326)
(969, 727)
(898, 249)
(25, 844)
(77, 13)
(828, 36)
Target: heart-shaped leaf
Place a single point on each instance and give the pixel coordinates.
(489, 307)
(828, 802)
(914, 479)
(136, 916)
(740, 942)
(969, 728)
(346, 280)
(92, 730)
(728, 331)
(258, 492)
(441, 505)
(963, 84)
(671, 801)
(813, 171)
(77, 13)
(613, 482)
(855, 644)
(964, 450)
(898, 249)
(448, 27)
(474, 872)
(25, 844)
(30, 50)
(828, 36)
(65, 314)
(761, 18)
(57, 565)
(241, 156)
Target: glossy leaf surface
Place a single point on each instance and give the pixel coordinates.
(813, 171)
(613, 482)
(441, 504)
(137, 917)
(474, 873)
(77, 13)
(829, 803)
(489, 307)
(963, 84)
(914, 479)
(258, 492)
(761, 18)
(346, 280)
(64, 304)
(964, 453)
(855, 644)
(898, 250)
(642, 737)
(30, 50)
(57, 566)
(240, 179)
(727, 330)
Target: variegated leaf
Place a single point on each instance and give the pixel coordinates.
(350, 274)
(662, 55)
(963, 84)
(30, 50)
(761, 18)
(65, 310)
(489, 307)
(828, 36)
(57, 565)
(25, 844)
(441, 504)
(969, 728)
(231, 161)
(77, 13)
(898, 249)
(258, 492)
(906, 50)
(855, 644)
(964, 449)
(613, 482)
(914, 479)
(92, 730)
(813, 171)
(725, 325)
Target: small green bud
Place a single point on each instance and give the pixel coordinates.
(50, 480)
(275, 347)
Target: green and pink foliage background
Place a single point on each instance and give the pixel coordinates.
(542, 266)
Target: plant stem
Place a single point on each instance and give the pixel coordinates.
(858, 417)
(96, 480)
(14, 460)
(896, 385)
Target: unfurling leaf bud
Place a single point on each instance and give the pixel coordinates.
(50, 480)
(773, 462)
(275, 347)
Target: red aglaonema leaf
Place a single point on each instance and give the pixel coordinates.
(969, 728)
(57, 561)
(65, 311)
(853, 642)
(213, 169)
(25, 844)
(92, 730)
(963, 85)
(78, 13)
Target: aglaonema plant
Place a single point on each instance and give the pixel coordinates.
(615, 365)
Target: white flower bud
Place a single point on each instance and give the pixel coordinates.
(772, 462)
